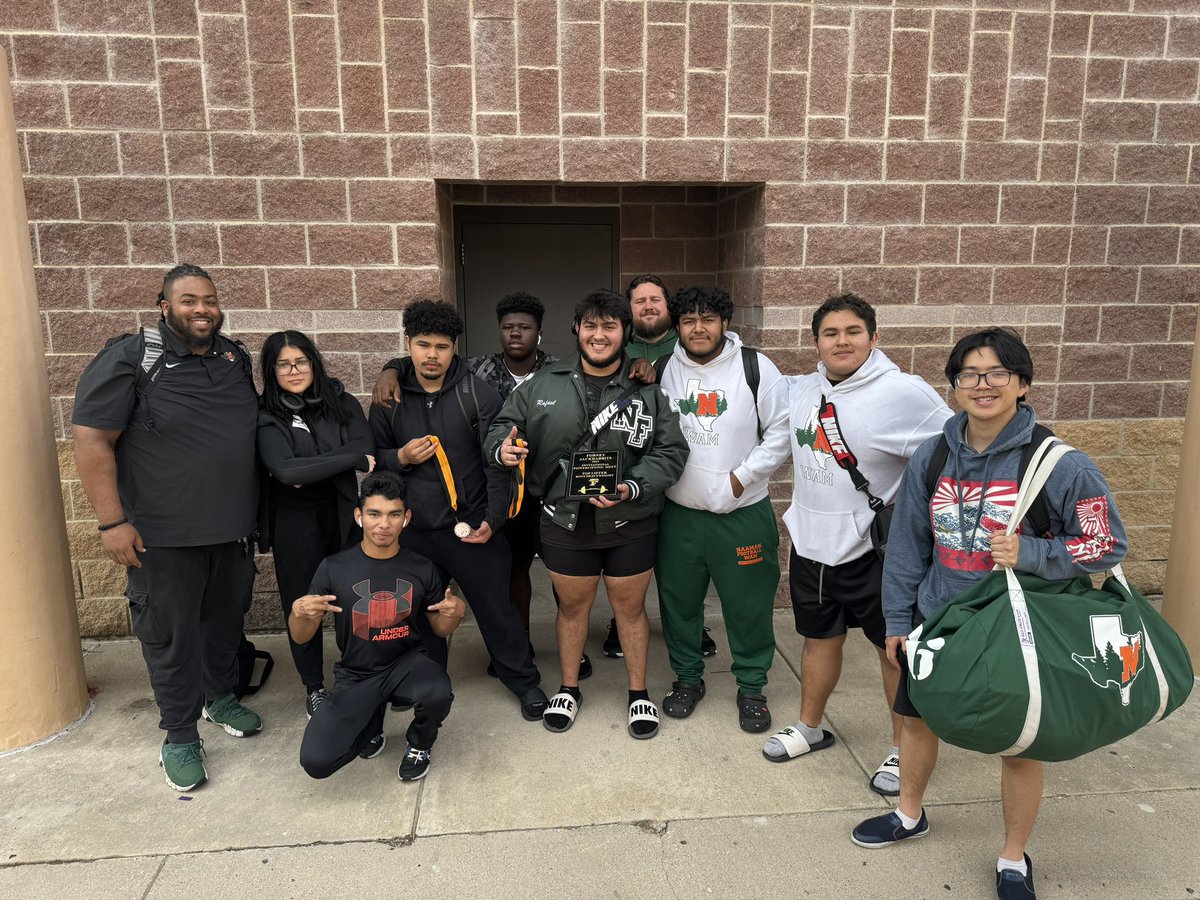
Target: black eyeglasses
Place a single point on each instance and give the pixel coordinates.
(994, 378)
(286, 368)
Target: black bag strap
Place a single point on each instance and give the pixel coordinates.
(469, 405)
(1039, 512)
(827, 414)
(604, 418)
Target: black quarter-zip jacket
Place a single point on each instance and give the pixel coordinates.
(483, 491)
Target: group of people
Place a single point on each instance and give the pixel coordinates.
(647, 454)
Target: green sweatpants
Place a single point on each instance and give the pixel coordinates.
(739, 551)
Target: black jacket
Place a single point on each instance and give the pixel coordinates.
(329, 452)
(483, 492)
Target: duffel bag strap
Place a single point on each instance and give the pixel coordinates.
(1044, 459)
(1041, 465)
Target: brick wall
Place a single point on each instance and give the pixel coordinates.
(1015, 162)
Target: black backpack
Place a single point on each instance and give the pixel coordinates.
(247, 657)
(150, 366)
(1039, 512)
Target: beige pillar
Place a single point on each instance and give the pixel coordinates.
(41, 665)
(1181, 596)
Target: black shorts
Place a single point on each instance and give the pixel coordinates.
(522, 534)
(829, 600)
(576, 553)
(903, 705)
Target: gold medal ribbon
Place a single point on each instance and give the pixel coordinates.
(514, 505)
(447, 474)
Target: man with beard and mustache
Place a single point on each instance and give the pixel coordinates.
(164, 441)
(653, 338)
(585, 403)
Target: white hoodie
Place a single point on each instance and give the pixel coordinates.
(719, 422)
(883, 415)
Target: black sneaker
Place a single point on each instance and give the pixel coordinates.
(315, 699)
(374, 747)
(708, 647)
(1012, 885)
(414, 765)
(612, 643)
(585, 667)
(883, 831)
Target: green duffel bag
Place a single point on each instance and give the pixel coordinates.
(1050, 670)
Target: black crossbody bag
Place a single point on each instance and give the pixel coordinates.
(881, 524)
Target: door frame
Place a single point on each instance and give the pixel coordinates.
(490, 214)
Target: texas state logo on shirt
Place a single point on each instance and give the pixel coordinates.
(704, 406)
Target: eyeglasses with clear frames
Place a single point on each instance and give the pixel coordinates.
(994, 378)
(286, 368)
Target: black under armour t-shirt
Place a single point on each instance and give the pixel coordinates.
(383, 604)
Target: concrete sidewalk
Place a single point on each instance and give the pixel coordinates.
(511, 810)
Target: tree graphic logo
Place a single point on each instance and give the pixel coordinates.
(812, 436)
(1118, 656)
(705, 405)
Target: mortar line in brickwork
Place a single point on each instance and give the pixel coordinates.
(249, 68)
(337, 55)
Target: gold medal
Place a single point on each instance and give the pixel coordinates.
(461, 529)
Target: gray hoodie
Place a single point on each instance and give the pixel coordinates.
(938, 546)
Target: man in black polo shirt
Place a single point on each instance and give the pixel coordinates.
(164, 441)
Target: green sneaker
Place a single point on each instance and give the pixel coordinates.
(183, 764)
(232, 716)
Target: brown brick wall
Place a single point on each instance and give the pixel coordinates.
(1024, 163)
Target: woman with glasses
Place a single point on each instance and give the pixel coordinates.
(312, 437)
(948, 532)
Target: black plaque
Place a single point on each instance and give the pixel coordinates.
(594, 473)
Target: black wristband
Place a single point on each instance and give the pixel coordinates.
(123, 520)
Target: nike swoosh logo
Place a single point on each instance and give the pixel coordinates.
(172, 365)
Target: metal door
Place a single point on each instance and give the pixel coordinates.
(555, 253)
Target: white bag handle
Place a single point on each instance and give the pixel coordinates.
(1042, 463)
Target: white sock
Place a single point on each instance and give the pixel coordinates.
(886, 780)
(811, 734)
(1017, 865)
(774, 747)
(908, 822)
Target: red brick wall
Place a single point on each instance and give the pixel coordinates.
(1029, 164)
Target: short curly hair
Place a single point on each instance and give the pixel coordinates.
(183, 270)
(520, 302)
(432, 317)
(700, 298)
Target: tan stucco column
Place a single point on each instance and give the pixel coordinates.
(1181, 595)
(41, 665)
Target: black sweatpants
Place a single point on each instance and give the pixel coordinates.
(188, 605)
(353, 714)
(482, 571)
(302, 536)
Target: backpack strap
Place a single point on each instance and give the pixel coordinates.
(152, 357)
(1039, 510)
(468, 402)
(750, 367)
(660, 366)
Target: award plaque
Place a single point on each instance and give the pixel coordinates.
(594, 473)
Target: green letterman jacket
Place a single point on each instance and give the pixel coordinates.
(550, 412)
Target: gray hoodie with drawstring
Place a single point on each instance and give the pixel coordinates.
(938, 546)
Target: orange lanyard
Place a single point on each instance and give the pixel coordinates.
(447, 474)
(514, 505)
